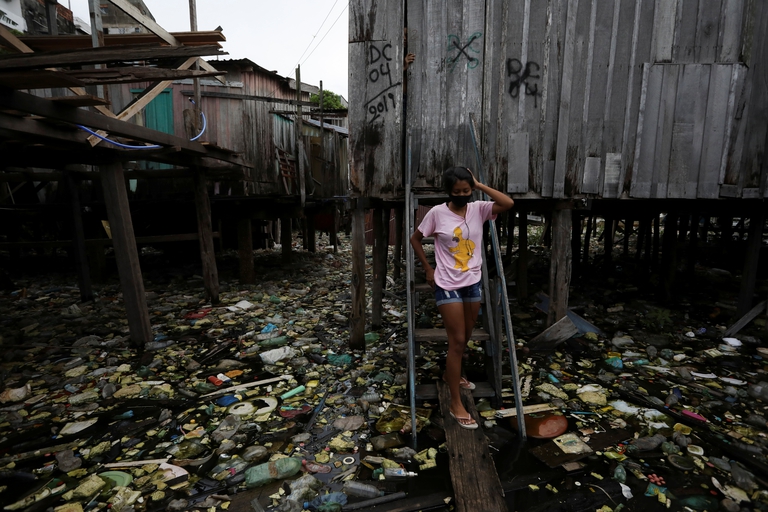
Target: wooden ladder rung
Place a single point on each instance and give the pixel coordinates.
(421, 335)
(429, 391)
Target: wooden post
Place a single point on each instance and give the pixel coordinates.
(682, 230)
(751, 259)
(379, 266)
(560, 266)
(656, 235)
(245, 250)
(705, 229)
(357, 318)
(522, 256)
(587, 236)
(78, 241)
(608, 228)
(398, 242)
(53, 24)
(311, 236)
(668, 256)
(693, 239)
(628, 225)
(726, 239)
(640, 238)
(126, 253)
(575, 242)
(300, 139)
(649, 239)
(205, 235)
(286, 236)
(511, 214)
(333, 236)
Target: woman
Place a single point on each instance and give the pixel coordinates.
(457, 227)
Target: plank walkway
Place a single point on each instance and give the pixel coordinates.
(476, 483)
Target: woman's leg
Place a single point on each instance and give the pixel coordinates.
(453, 319)
(471, 309)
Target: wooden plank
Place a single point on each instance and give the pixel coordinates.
(47, 43)
(517, 177)
(126, 254)
(85, 100)
(560, 266)
(429, 391)
(379, 270)
(422, 335)
(714, 130)
(205, 234)
(686, 22)
(145, 21)
(647, 128)
(37, 79)
(551, 96)
(555, 334)
(13, 42)
(615, 95)
(663, 143)
(738, 133)
(744, 320)
(641, 48)
(737, 83)
(538, 107)
(105, 56)
(602, 17)
(687, 132)
(124, 75)
(562, 157)
(664, 17)
(729, 39)
(751, 261)
(78, 241)
(591, 175)
(473, 474)
(707, 30)
(375, 65)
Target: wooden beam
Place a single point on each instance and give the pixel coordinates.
(126, 254)
(105, 56)
(131, 74)
(357, 317)
(522, 256)
(46, 43)
(142, 101)
(146, 21)
(744, 320)
(202, 64)
(557, 333)
(78, 241)
(205, 233)
(13, 42)
(560, 266)
(250, 97)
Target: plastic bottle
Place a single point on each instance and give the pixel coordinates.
(353, 488)
(398, 473)
(620, 474)
(271, 471)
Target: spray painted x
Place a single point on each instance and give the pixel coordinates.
(454, 43)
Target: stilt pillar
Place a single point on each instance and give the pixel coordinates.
(560, 266)
(126, 253)
(357, 318)
(245, 251)
(205, 236)
(749, 274)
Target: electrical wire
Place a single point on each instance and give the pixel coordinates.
(329, 30)
(314, 36)
(153, 146)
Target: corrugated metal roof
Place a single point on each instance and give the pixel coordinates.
(338, 129)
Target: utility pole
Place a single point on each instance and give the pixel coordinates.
(195, 81)
(300, 139)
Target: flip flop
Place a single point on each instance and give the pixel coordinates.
(468, 426)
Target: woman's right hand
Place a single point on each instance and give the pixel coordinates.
(430, 272)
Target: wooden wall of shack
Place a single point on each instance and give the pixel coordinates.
(250, 127)
(574, 98)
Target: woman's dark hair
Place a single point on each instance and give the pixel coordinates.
(454, 174)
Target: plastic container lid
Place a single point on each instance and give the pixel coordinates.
(695, 449)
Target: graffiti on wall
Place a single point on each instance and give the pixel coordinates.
(462, 51)
(523, 78)
(380, 79)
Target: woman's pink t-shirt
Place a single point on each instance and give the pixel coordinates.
(458, 243)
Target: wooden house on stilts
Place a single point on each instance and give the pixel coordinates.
(627, 111)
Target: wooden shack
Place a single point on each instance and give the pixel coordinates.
(584, 108)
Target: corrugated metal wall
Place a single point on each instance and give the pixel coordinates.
(601, 98)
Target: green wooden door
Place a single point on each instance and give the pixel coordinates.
(158, 115)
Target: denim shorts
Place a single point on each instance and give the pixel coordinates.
(469, 293)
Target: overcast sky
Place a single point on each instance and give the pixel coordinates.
(273, 34)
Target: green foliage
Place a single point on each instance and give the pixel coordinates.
(331, 100)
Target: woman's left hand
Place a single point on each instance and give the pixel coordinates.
(473, 176)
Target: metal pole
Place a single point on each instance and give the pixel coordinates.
(505, 300)
(409, 296)
(195, 81)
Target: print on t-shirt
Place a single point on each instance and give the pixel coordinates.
(463, 251)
